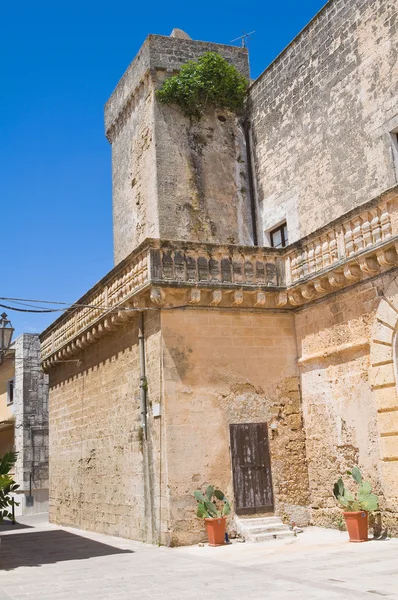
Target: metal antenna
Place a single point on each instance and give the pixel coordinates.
(243, 37)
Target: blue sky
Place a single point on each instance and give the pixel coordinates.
(60, 61)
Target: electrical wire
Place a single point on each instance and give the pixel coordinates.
(68, 306)
(30, 310)
(28, 305)
(37, 301)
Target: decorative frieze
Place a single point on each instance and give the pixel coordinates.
(223, 265)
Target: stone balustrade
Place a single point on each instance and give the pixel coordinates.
(363, 231)
(121, 283)
(158, 263)
(157, 273)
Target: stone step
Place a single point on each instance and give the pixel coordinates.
(253, 529)
(258, 521)
(266, 537)
(261, 529)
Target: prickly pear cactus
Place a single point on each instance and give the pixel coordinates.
(212, 504)
(363, 499)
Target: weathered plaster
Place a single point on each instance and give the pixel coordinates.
(223, 367)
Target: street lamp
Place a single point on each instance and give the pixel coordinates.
(6, 331)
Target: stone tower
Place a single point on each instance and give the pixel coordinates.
(173, 179)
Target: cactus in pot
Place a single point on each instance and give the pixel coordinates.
(356, 504)
(213, 507)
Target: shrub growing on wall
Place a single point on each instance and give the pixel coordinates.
(208, 82)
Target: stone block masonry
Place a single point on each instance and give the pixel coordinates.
(31, 422)
(225, 367)
(322, 117)
(100, 478)
(345, 400)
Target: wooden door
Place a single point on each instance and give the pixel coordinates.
(251, 468)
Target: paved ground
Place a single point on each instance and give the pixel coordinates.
(41, 562)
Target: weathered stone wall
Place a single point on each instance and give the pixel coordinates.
(223, 367)
(202, 178)
(99, 474)
(340, 407)
(322, 116)
(31, 416)
(134, 187)
(171, 178)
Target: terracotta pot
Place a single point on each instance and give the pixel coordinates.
(357, 525)
(216, 531)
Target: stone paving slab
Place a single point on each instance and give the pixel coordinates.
(45, 562)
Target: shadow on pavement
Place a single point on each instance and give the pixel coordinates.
(8, 526)
(46, 547)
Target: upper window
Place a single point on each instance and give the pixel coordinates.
(278, 236)
(394, 139)
(10, 391)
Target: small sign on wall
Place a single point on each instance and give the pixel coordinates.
(156, 410)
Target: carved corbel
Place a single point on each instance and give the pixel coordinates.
(237, 298)
(90, 338)
(336, 279)
(194, 296)
(295, 298)
(386, 258)
(321, 285)
(101, 331)
(352, 272)
(308, 291)
(109, 325)
(260, 299)
(95, 332)
(216, 297)
(157, 296)
(123, 315)
(281, 299)
(84, 341)
(368, 265)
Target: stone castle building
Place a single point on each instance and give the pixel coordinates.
(246, 336)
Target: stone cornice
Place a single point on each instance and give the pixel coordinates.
(171, 274)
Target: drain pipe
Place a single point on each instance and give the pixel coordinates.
(143, 380)
(246, 129)
(146, 446)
